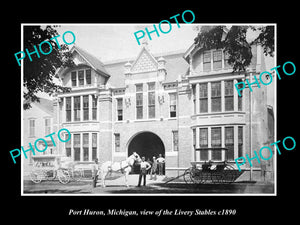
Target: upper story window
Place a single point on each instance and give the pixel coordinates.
(151, 100)
(139, 101)
(207, 61)
(47, 126)
(217, 59)
(81, 77)
(31, 127)
(216, 96)
(229, 95)
(120, 109)
(173, 104)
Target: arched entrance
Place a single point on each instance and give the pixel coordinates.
(146, 144)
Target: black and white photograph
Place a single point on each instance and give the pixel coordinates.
(132, 110)
(172, 115)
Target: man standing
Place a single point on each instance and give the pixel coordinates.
(95, 169)
(160, 161)
(153, 168)
(143, 171)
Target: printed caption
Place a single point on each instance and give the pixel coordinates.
(156, 213)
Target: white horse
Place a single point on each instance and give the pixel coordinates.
(124, 167)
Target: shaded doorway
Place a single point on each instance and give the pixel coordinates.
(146, 144)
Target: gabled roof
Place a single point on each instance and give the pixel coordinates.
(44, 104)
(95, 63)
(187, 53)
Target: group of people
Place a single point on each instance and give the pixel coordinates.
(156, 165)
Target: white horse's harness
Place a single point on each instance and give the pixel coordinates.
(121, 168)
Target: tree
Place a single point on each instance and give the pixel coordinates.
(235, 43)
(39, 73)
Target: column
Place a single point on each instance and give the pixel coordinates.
(72, 109)
(90, 107)
(209, 142)
(222, 96)
(223, 157)
(63, 113)
(209, 97)
(81, 147)
(81, 108)
(235, 96)
(197, 154)
(90, 146)
(197, 93)
(235, 141)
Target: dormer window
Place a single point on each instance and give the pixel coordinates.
(74, 79)
(206, 61)
(217, 60)
(88, 76)
(81, 78)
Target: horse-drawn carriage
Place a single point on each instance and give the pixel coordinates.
(211, 172)
(51, 167)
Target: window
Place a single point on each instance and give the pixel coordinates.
(85, 147)
(117, 142)
(194, 97)
(86, 107)
(194, 138)
(216, 96)
(229, 95)
(217, 59)
(203, 98)
(240, 98)
(47, 126)
(175, 140)
(173, 104)
(216, 143)
(139, 101)
(94, 146)
(203, 144)
(81, 77)
(207, 61)
(94, 107)
(120, 109)
(31, 128)
(67, 145)
(77, 108)
(229, 142)
(88, 76)
(226, 57)
(76, 143)
(151, 100)
(74, 79)
(68, 109)
(240, 141)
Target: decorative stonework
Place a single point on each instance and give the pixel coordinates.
(144, 63)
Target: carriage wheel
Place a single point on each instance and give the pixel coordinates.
(187, 176)
(196, 176)
(63, 176)
(36, 176)
(229, 174)
(77, 174)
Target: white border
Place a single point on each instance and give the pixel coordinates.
(157, 194)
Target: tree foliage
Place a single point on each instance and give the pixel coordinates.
(235, 43)
(40, 72)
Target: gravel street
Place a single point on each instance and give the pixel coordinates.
(153, 187)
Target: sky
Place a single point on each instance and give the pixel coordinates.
(109, 42)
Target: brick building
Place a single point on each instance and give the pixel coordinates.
(171, 104)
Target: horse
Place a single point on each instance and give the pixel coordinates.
(124, 166)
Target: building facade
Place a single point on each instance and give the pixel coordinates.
(182, 105)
